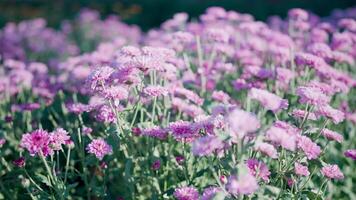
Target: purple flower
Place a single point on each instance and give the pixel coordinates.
(244, 184)
(99, 76)
(59, 137)
(280, 136)
(156, 132)
(116, 93)
(258, 169)
(220, 96)
(312, 95)
(267, 149)
(86, 130)
(206, 145)
(335, 115)
(310, 149)
(100, 148)
(136, 131)
(300, 169)
(241, 123)
(2, 142)
(332, 135)
(210, 192)
(106, 114)
(297, 113)
(183, 131)
(332, 172)
(78, 108)
(156, 165)
(155, 91)
(20, 162)
(37, 142)
(180, 159)
(186, 193)
(269, 100)
(351, 153)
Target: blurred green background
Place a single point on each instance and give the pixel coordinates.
(151, 13)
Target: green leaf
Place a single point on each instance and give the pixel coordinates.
(44, 179)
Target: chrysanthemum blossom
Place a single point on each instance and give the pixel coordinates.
(279, 136)
(155, 131)
(301, 170)
(351, 153)
(332, 172)
(242, 122)
(312, 95)
(332, 135)
(99, 76)
(210, 192)
(116, 93)
(186, 193)
(99, 148)
(300, 114)
(155, 91)
(258, 169)
(306, 59)
(220, 96)
(183, 130)
(190, 95)
(59, 137)
(37, 142)
(267, 149)
(329, 112)
(206, 145)
(244, 184)
(268, 100)
(310, 149)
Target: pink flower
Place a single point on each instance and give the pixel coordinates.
(37, 142)
(100, 148)
(332, 135)
(183, 130)
(156, 165)
(190, 95)
(258, 169)
(269, 100)
(2, 142)
(312, 95)
(210, 192)
(332, 172)
(220, 96)
(297, 113)
(155, 91)
(156, 132)
(20, 162)
(206, 145)
(267, 149)
(105, 114)
(300, 169)
(78, 108)
(298, 14)
(180, 159)
(351, 153)
(186, 193)
(86, 130)
(335, 115)
(116, 93)
(241, 123)
(280, 136)
(244, 184)
(99, 76)
(306, 59)
(59, 137)
(310, 149)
